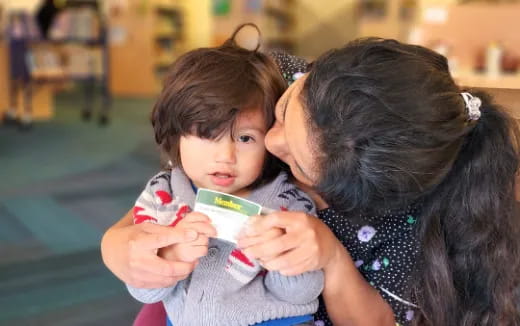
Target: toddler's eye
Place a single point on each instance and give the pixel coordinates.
(245, 139)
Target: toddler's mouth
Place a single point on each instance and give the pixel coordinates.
(223, 174)
(222, 179)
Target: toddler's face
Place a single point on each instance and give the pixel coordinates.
(227, 164)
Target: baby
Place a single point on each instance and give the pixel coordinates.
(210, 120)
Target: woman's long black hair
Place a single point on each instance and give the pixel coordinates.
(395, 131)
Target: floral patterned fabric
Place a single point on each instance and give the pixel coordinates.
(384, 249)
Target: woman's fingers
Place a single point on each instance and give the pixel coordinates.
(190, 253)
(294, 224)
(244, 242)
(158, 236)
(299, 250)
(298, 269)
(280, 220)
(145, 279)
(289, 259)
(257, 225)
(273, 233)
(157, 265)
(201, 227)
(202, 240)
(273, 247)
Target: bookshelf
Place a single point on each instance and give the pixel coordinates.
(167, 37)
(70, 46)
(75, 49)
(387, 19)
(152, 38)
(278, 24)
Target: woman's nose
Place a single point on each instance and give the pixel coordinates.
(225, 150)
(275, 141)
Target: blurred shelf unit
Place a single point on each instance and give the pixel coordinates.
(152, 38)
(278, 24)
(373, 9)
(42, 50)
(470, 78)
(167, 35)
(388, 19)
(466, 35)
(75, 47)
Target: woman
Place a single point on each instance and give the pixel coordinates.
(419, 178)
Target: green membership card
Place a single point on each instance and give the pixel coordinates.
(227, 213)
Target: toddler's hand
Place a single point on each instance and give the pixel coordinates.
(191, 251)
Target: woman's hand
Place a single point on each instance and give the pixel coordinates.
(191, 251)
(130, 252)
(306, 244)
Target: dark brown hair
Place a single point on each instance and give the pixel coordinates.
(394, 131)
(205, 90)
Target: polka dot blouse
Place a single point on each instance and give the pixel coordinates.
(291, 67)
(384, 249)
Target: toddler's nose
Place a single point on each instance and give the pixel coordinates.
(225, 151)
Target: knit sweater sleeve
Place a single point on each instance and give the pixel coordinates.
(299, 289)
(306, 287)
(292, 198)
(150, 295)
(158, 205)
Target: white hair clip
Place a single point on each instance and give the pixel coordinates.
(473, 104)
